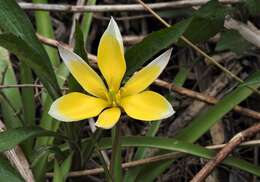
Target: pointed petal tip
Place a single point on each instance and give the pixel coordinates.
(170, 112)
(114, 31)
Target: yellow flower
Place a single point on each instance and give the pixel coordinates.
(109, 100)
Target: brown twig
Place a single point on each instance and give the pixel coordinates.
(222, 154)
(21, 86)
(125, 165)
(119, 7)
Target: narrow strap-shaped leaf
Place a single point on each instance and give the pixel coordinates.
(180, 146)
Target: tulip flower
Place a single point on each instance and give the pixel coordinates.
(108, 99)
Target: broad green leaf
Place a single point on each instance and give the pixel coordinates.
(7, 172)
(14, 20)
(20, 39)
(10, 138)
(206, 22)
(233, 41)
(253, 82)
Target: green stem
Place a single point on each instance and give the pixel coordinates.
(116, 168)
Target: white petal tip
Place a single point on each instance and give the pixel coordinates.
(162, 60)
(166, 55)
(53, 113)
(170, 113)
(113, 30)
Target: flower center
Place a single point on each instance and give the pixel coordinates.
(114, 98)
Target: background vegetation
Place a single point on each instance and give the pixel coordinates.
(211, 81)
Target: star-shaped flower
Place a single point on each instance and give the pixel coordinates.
(109, 100)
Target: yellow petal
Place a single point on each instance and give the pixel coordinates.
(83, 73)
(143, 78)
(108, 118)
(147, 106)
(76, 106)
(111, 61)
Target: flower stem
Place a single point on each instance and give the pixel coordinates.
(116, 168)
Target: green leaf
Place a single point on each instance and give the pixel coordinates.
(86, 21)
(204, 121)
(171, 144)
(61, 171)
(79, 48)
(205, 23)
(19, 47)
(131, 174)
(230, 39)
(137, 55)
(10, 138)
(7, 76)
(29, 106)
(7, 172)
(14, 20)
(44, 27)
(57, 172)
(20, 39)
(49, 123)
(89, 147)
